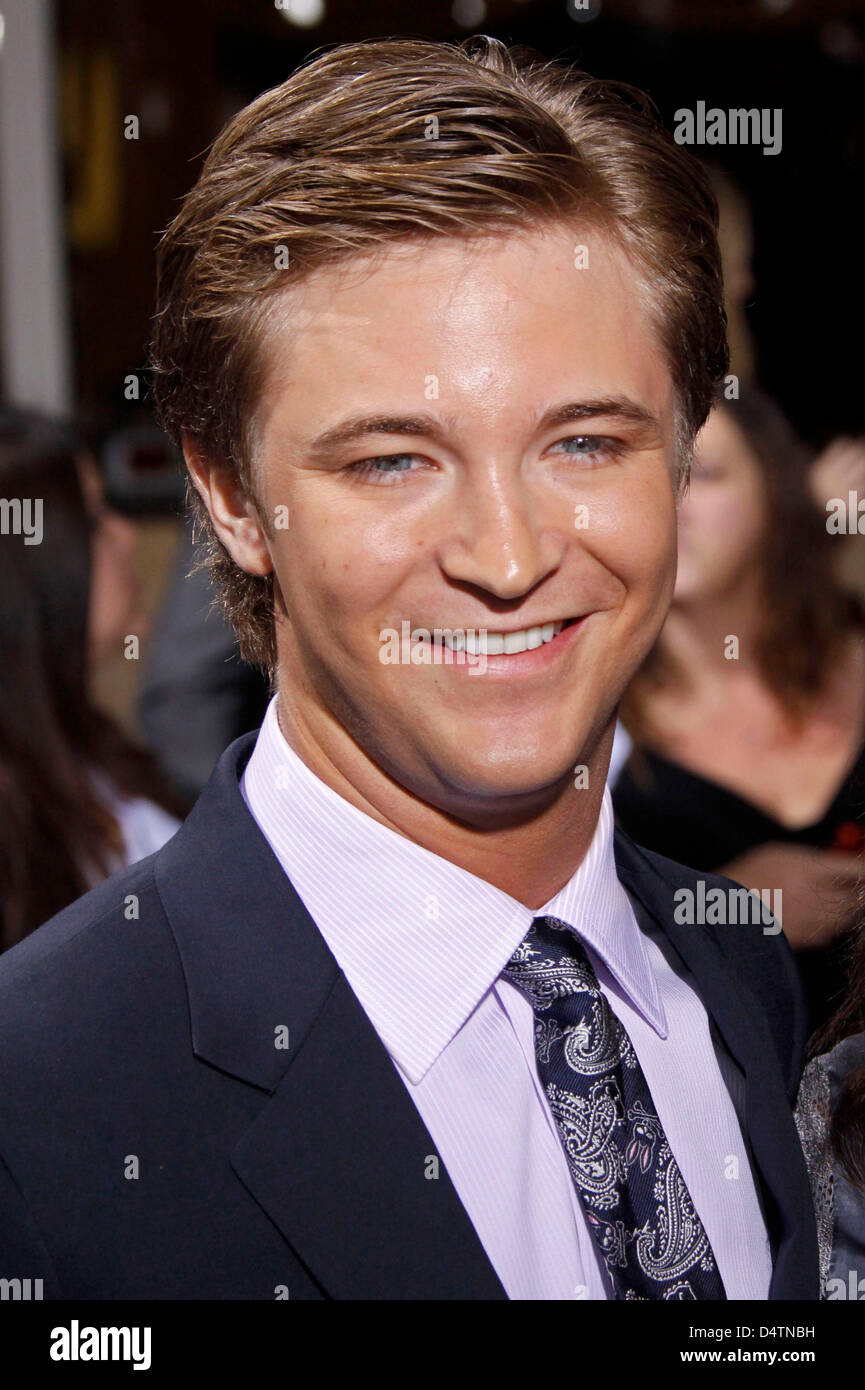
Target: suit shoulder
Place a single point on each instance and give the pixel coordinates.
(41, 949)
(77, 972)
(636, 858)
(750, 939)
(745, 932)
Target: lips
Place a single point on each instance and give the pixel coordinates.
(481, 641)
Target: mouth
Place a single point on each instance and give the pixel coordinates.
(483, 642)
(519, 652)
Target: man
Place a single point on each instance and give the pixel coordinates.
(394, 1015)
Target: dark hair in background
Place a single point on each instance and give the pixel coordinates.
(807, 612)
(54, 829)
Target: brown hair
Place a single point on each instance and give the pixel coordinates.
(806, 612)
(58, 834)
(395, 140)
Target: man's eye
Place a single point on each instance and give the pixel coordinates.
(596, 447)
(384, 467)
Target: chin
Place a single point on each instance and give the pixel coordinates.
(504, 775)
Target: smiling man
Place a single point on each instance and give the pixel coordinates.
(397, 1014)
(553, 406)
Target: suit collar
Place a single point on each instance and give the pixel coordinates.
(251, 954)
(338, 1155)
(596, 907)
(341, 1161)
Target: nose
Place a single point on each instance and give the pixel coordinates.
(499, 539)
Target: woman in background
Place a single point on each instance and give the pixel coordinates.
(748, 718)
(79, 799)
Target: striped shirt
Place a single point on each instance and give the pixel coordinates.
(422, 943)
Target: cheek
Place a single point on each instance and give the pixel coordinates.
(340, 568)
(635, 540)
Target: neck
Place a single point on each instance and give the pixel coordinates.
(529, 851)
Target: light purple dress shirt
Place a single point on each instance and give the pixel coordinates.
(422, 943)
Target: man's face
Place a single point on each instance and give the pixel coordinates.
(476, 512)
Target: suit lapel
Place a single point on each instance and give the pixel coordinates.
(338, 1155)
(339, 1158)
(742, 1024)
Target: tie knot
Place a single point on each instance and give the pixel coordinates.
(550, 963)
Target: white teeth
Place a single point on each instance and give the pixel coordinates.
(480, 643)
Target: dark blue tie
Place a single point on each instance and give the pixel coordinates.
(635, 1199)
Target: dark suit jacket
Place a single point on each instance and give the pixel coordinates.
(156, 1142)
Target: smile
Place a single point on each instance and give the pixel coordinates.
(521, 653)
(481, 642)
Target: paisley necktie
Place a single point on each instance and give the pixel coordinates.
(636, 1202)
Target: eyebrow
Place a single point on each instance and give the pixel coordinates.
(431, 427)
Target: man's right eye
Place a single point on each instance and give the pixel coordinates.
(377, 470)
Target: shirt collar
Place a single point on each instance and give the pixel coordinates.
(421, 940)
(596, 907)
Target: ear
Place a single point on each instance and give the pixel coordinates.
(232, 511)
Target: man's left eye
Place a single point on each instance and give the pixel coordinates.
(590, 445)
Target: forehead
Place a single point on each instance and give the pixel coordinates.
(492, 324)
